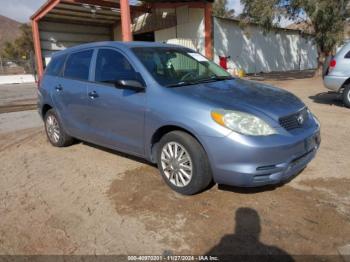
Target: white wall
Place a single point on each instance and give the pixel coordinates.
(189, 31)
(253, 51)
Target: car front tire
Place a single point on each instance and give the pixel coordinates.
(183, 163)
(346, 96)
(54, 131)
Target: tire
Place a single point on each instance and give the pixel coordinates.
(54, 131)
(189, 172)
(346, 96)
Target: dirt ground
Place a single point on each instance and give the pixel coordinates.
(88, 200)
(17, 97)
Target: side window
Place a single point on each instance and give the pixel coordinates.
(112, 66)
(347, 55)
(55, 66)
(78, 65)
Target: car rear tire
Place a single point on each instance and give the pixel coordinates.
(346, 96)
(54, 131)
(183, 163)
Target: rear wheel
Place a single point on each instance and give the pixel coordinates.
(54, 131)
(183, 163)
(346, 96)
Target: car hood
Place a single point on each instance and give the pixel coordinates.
(244, 95)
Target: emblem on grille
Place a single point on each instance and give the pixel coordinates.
(300, 119)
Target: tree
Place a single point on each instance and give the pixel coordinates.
(22, 47)
(327, 17)
(220, 9)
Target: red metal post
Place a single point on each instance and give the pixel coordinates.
(37, 48)
(47, 7)
(125, 20)
(208, 25)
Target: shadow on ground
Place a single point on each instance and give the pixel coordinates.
(245, 242)
(282, 76)
(327, 98)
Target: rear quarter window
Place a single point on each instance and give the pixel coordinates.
(55, 66)
(347, 55)
(78, 65)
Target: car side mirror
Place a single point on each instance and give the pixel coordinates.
(130, 84)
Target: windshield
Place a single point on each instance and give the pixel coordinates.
(179, 66)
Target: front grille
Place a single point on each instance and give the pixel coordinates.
(294, 121)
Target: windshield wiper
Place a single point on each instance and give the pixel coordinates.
(199, 81)
(221, 78)
(182, 83)
(212, 79)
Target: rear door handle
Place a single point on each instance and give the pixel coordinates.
(93, 94)
(59, 88)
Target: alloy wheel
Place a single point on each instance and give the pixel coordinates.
(53, 129)
(176, 164)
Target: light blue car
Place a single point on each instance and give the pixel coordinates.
(172, 106)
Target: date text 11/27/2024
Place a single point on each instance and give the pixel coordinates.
(173, 258)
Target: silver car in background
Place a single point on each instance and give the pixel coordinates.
(337, 74)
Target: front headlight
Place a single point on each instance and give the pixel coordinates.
(242, 123)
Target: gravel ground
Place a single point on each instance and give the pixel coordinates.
(88, 200)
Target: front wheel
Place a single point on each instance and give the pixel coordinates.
(346, 96)
(183, 163)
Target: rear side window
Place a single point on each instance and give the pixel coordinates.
(78, 65)
(112, 66)
(55, 66)
(347, 55)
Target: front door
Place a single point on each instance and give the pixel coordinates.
(115, 116)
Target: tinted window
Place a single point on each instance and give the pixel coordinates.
(347, 55)
(55, 66)
(78, 65)
(112, 66)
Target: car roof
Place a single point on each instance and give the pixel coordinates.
(121, 45)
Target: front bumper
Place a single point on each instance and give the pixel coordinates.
(252, 161)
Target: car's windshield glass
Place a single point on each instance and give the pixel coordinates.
(171, 66)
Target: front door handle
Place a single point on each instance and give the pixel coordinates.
(93, 95)
(59, 88)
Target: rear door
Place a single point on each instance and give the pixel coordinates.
(116, 116)
(70, 92)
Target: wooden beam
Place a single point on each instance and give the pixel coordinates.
(126, 20)
(37, 48)
(208, 27)
(47, 7)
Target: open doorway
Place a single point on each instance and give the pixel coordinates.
(147, 37)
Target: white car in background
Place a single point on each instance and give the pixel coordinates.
(337, 74)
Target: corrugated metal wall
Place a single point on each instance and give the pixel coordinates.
(253, 51)
(58, 36)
